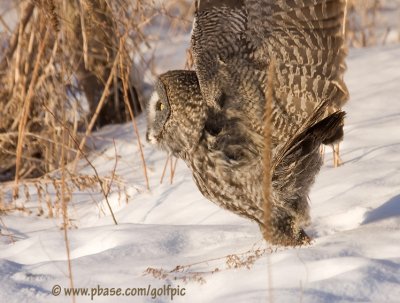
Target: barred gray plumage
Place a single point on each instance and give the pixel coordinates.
(213, 117)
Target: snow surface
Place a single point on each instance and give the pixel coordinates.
(355, 255)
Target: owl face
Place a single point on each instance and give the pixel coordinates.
(158, 112)
(176, 113)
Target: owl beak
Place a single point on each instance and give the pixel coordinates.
(151, 138)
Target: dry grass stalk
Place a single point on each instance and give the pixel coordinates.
(346, 8)
(64, 203)
(49, 203)
(173, 170)
(102, 185)
(322, 152)
(109, 184)
(172, 167)
(84, 35)
(267, 155)
(337, 161)
(267, 164)
(165, 168)
(2, 201)
(26, 110)
(8, 233)
(27, 11)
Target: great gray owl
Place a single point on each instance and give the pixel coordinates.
(213, 117)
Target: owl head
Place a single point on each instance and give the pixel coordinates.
(176, 112)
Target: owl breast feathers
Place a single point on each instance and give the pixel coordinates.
(214, 117)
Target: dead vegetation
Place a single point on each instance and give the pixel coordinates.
(188, 273)
(67, 68)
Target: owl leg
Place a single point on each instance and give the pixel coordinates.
(285, 229)
(292, 179)
(291, 184)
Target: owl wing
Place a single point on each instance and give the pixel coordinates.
(304, 40)
(235, 42)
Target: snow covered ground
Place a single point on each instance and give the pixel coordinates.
(173, 236)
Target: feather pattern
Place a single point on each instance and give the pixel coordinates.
(216, 113)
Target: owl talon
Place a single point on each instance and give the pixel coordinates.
(303, 238)
(299, 239)
(284, 232)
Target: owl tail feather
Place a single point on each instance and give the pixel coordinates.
(291, 182)
(321, 132)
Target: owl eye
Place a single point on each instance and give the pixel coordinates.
(160, 106)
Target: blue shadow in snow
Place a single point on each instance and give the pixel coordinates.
(388, 210)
